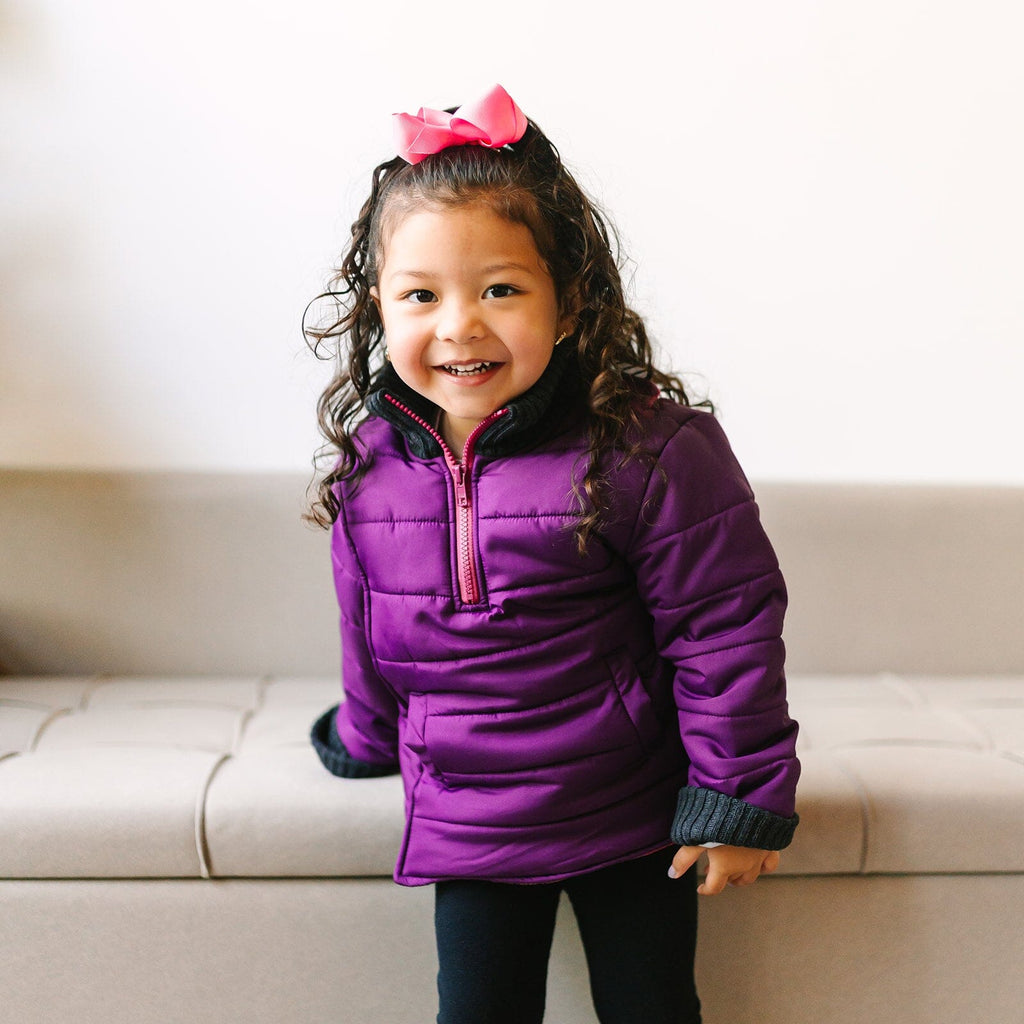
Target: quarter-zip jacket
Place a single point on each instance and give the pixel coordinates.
(553, 713)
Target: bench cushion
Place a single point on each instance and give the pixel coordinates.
(215, 777)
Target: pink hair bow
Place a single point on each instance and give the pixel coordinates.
(493, 121)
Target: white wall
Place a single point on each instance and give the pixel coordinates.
(822, 202)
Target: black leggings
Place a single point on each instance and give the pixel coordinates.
(639, 931)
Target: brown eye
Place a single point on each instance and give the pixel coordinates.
(501, 291)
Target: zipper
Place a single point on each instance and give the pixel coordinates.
(462, 475)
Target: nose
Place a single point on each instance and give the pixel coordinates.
(459, 321)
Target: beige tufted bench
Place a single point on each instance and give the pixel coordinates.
(172, 851)
(199, 780)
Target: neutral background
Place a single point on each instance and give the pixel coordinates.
(821, 203)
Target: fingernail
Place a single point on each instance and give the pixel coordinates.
(672, 873)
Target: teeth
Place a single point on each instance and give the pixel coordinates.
(465, 371)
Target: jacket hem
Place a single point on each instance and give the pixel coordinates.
(412, 880)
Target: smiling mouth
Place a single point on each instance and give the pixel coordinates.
(467, 369)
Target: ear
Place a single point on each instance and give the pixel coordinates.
(569, 308)
(375, 295)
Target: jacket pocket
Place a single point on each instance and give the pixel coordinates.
(599, 731)
(636, 701)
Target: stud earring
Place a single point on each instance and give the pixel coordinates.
(561, 337)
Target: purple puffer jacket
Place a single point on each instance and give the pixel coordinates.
(553, 713)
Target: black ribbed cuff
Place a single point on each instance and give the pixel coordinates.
(704, 816)
(334, 755)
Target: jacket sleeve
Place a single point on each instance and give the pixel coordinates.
(360, 737)
(712, 584)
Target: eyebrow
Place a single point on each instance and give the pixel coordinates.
(411, 273)
(493, 268)
(510, 265)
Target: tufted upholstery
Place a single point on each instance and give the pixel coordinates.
(181, 778)
(909, 775)
(215, 778)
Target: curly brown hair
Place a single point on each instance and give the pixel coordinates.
(526, 183)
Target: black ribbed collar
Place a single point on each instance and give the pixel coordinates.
(537, 413)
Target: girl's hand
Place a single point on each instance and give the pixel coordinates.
(727, 865)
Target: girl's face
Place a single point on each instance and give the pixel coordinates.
(470, 312)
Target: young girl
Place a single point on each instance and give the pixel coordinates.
(560, 615)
